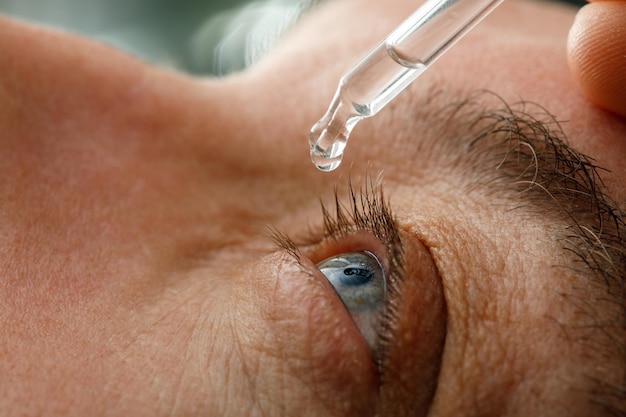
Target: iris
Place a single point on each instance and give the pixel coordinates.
(359, 280)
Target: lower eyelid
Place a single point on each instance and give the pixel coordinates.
(302, 321)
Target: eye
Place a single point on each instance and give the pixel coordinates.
(359, 279)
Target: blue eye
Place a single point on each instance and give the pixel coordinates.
(359, 280)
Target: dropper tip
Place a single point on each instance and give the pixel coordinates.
(324, 159)
(327, 166)
(326, 149)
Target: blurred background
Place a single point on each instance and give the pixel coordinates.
(212, 37)
(209, 37)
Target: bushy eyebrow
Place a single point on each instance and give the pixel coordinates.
(521, 151)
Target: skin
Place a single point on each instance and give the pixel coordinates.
(597, 54)
(138, 279)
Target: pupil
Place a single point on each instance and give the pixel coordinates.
(356, 276)
(357, 271)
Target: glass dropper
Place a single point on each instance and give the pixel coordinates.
(389, 68)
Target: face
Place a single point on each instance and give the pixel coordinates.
(140, 275)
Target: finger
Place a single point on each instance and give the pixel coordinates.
(597, 54)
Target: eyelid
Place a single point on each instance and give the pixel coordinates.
(357, 241)
(415, 352)
(415, 316)
(365, 224)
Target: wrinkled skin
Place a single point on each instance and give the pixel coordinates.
(137, 273)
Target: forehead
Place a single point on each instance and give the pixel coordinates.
(518, 52)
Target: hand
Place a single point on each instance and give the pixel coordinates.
(597, 54)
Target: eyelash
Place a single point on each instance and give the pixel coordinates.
(368, 211)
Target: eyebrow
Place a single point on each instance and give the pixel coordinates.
(521, 150)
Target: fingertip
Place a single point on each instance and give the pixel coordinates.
(597, 54)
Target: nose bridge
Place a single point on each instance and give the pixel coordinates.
(252, 120)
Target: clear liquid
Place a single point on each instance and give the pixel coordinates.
(329, 136)
(362, 92)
